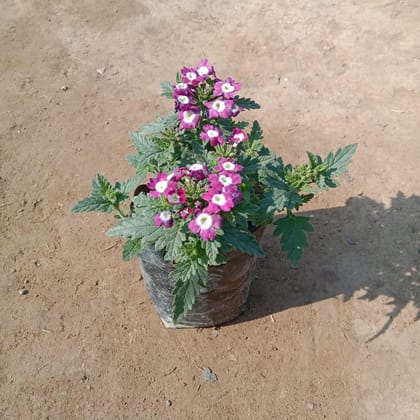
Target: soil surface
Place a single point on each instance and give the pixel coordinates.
(336, 338)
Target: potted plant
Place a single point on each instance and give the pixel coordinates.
(205, 187)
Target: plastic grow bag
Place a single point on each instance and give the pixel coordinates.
(223, 299)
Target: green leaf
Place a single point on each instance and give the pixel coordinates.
(159, 125)
(132, 248)
(241, 240)
(99, 198)
(212, 251)
(167, 89)
(280, 196)
(172, 240)
(246, 103)
(293, 237)
(147, 150)
(190, 277)
(256, 132)
(338, 162)
(131, 184)
(138, 226)
(228, 124)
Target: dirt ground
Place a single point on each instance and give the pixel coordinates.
(336, 338)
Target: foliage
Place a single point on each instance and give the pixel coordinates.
(208, 183)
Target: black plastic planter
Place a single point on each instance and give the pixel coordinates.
(223, 299)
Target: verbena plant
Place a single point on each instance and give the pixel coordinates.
(209, 182)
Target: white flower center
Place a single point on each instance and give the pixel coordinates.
(212, 133)
(228, 166)
(227, 87)
(188, 116)
(182, 99)
(191, 76)
(161, 186)
(204, 221)
(239, 136)
(174, 198)
(203, 70)
(225, 180)
(218, 199)
(181, 86)
(196, 167)
(165, 216)
(219, 106)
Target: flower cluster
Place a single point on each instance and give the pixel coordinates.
(198, 112)
(198, 194)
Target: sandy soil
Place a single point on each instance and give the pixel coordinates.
(336, 338)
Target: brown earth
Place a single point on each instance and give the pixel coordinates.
(336, 338)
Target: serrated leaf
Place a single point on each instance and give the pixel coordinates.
(212, 251)
(131, 184)
(293, 237)
(190, 277)
(171, 239)
(92, 204)
(314, 160)
(167, 89)
(241, 240)
(280, 196)
(246, 103)
(156, 127)
(200, 152)
(132, 248)
(256, 131)
(138, 226)
(228, 124)
(147, 150)
(98, 200)
(338, 162)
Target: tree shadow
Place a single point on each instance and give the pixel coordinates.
(361, 249)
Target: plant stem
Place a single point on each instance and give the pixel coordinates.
(119, 212)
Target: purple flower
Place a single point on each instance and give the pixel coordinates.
(198, 171)
(160, 184)
(204, 69)
(212, 134)
(229, 165)
(189, 118)
(206, 224)
(181, 88)
(176, 196)
(186, 212)
(238, 136)
(183, 102)
(234, 192)
(236, 110)
(227, 88)
(220, 182)
(164, 218)
(190, 76)
(220, 108)
(177, 174)
(218, 201)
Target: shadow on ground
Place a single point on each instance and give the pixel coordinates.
(361, 248)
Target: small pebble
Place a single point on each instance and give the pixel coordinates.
(23, 291)
(168, 403)
(64, 88)
(310, 406)
(101, 71)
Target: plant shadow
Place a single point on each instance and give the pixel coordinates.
(362, 249)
